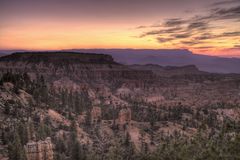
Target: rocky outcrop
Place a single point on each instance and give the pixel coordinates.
(124, 116)
(77, 67)
(57, 119)
(96, 115)
(56, 57)
(41, 150)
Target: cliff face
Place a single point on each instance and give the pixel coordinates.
(60, 58)
(168, 71)
(102, 76)
(41, 150)
(78, 67)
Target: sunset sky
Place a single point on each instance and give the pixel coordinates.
(202, 26)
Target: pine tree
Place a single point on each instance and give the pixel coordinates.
(23, 133)
(88, 118)
(77, 106)
(15, 149)
(60, 146)
(43, 131)
(77, 152)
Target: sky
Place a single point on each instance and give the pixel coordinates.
(205, 27)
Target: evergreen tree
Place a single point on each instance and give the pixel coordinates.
(77, 152)
(15, 149)
(77, 106)
(23, 133)
(88, 118)
(43, 131)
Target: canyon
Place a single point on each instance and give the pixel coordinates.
(89, 106)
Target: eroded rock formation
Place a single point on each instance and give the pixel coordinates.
(124, 116)
(41, 150)
(96, 115)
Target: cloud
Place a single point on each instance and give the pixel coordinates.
(230, 34)
(236, 47)
(163, 40)
(149, 26)
(190, 43)
(205, 36)
(229, 13)
(174, 22)
(183, 35)
(198, 29)
(162, 31)
(141, 27)
(208, 36)
(224, 3)
(200, 25)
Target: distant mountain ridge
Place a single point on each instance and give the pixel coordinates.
(170, 57)
(166, 57)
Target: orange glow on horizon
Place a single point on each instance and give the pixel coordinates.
(57, 36)
(138, 24)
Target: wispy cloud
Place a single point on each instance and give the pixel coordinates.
(174, 22)
(191, 43)
(162, 31)
(141, 27)
(197, 30)
(225, 3)
(200, 25)
(183, 35)
(230, 34)
(232, 13)
(237, 46)
(162, 40)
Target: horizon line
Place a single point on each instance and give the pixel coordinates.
(75, 49)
